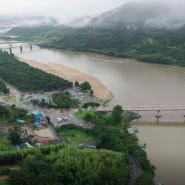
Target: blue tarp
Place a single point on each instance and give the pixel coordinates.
(17, 146)
(39, 115)
(20, 121)
(92, 145)
(38, 144)
(41, 119)
(36, 124)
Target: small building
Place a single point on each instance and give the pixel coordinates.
(44, 100)
(3, 133)
(23, 145)
(31, 137)
(44, 143)
(91, 145)
(23, 131)
(20, 121)
(37, 124)
(38, 144)
(24, 136)
(18, 147)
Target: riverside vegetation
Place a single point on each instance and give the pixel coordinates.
(27, 78)
(167, 46)
(65, 164)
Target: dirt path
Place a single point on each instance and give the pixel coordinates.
(122, 130)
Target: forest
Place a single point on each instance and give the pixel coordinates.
(118, 42)
(27, 78)
(63, 164)
(3, 87)
(11, 113)
(63, 100)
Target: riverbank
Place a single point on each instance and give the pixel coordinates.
(100, 91)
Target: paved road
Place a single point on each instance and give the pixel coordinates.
(135, 170)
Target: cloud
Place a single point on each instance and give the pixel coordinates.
(63, 11)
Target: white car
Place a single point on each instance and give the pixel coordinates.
(65, 119)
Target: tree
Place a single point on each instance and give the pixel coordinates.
(116, 113)
(77, 83)
(144, 179)
(14, 137)
(91, 92)
(85, 86)
(87, 117)
(80, 110)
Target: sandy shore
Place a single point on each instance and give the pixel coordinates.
(100, 91)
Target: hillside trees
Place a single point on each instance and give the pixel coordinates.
(27, 78)
(3, 87)
(63, 164)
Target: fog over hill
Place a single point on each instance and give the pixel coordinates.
(148, 14)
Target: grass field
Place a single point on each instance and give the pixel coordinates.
(3, 119)
(3, 182)
(25, 103)
(8, 98)
(21, 98)
(74, 136)
(62, 111)
(83, 113)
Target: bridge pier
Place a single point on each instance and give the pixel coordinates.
(158, 115)
(21, 48)
(31, 46)
(10, 50)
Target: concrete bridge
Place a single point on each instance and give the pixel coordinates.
(29, 44)
(145, 108)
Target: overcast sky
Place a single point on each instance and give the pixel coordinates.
(64, 10)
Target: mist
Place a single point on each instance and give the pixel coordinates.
(70, 12)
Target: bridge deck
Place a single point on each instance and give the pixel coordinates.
(144, 108)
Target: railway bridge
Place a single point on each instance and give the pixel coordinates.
(145, 108)
(21, 44)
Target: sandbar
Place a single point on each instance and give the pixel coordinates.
(100, 91)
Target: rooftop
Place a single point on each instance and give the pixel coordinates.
(47, 98)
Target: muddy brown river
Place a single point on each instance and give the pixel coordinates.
(137, 83)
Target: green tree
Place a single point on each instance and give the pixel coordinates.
(85, 86)
(77, 83)
(87, 117)
(91, 92)
(144, 179)
(116, 113)
(14, 137)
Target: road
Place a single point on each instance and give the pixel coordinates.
(135, 170)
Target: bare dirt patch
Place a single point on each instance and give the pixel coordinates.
(4, 177)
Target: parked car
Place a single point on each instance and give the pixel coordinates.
(65, 119)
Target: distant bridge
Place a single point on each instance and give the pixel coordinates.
(2, 41)
(144, 108)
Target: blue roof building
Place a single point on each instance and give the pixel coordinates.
(38, 144)
(17, 146)
(36, 124)
(20, 121)
(44, 100)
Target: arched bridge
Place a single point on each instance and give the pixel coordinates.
(145, 108)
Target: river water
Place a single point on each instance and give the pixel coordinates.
(137, 83)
